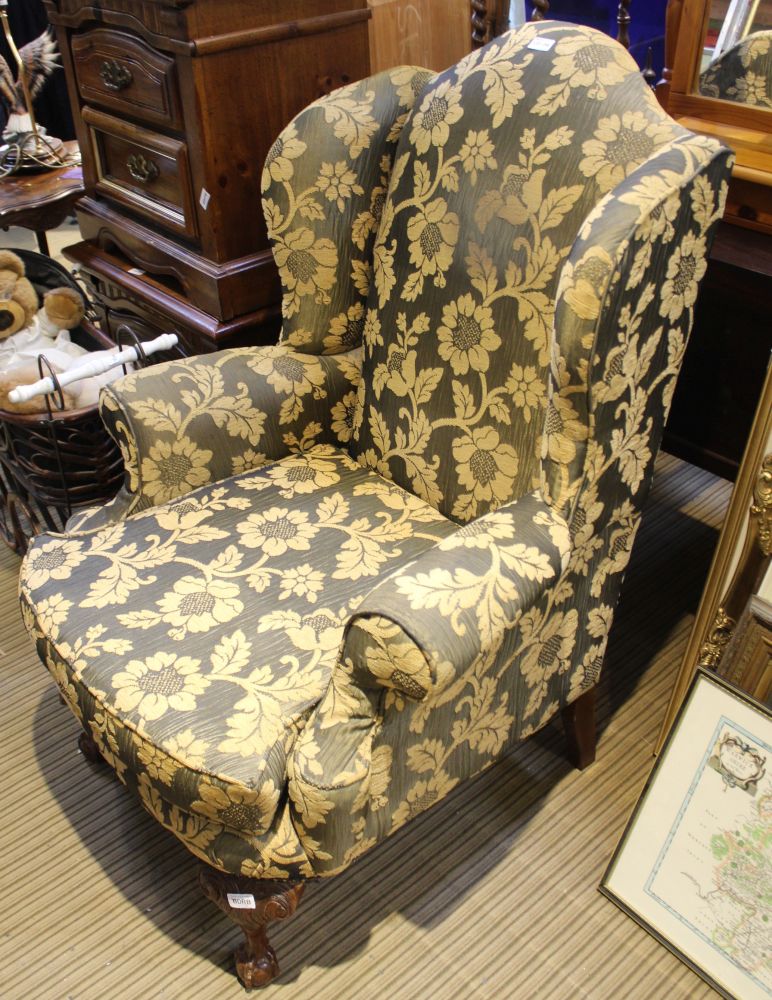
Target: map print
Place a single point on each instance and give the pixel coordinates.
(714, 872)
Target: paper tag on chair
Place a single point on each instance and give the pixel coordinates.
(241, 900)
(541, 44)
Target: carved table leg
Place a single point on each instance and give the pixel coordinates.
(252, 904)
(89, 749)
(579, 724)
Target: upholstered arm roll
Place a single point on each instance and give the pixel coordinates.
(438, 633)
(185, 424)
(428, 624)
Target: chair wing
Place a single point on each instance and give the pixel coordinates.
(324, 185)
(182, 425)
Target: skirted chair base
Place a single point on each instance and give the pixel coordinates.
(254, 903)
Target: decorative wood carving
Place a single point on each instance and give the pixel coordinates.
(740, 560)
(747, 660)
(761, 508)
(479, 23)
(252, 904)
(752, 564)
(719, 635)
(579, 724)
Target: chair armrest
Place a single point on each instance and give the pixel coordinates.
(189, 423)
(417, 637)
(430, 623)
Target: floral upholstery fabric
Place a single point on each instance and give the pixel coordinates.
(323, 210)
(743, 73)
(219, 620)
(496, 636)
(231, 411)
(496, 171)
(292, 646)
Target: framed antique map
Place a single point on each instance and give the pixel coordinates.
(694, 866)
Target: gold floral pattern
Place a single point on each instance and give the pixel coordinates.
(439, 109)
(340, 187)
(487, 197)
(433, 233)
(467, 335)
(160, 683)
(619, 145)
(346, 572)
(743, 73)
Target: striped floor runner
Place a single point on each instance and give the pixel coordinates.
(493, 894)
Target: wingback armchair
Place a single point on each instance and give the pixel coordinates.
(347, 572)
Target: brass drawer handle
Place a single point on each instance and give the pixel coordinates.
(114, 75)
(142, 170)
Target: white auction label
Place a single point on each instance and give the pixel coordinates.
(541, 44)
(204, 198)
(241, 900)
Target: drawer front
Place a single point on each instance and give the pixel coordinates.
(123, 73)
(144, 170)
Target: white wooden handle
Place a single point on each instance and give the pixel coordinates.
(96, 366)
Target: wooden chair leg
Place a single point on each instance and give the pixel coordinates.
(579, 724)
(252, 904)
(88, 747)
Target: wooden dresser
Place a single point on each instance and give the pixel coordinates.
(177, 103)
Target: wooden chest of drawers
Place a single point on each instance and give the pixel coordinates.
(177, 103)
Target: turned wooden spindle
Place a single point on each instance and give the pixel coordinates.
(623, 22)
(540, 9)
(479, 23)
(648, 72)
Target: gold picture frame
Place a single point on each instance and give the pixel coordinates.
(687, 865)
(732, 578)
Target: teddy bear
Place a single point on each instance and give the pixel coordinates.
(18, 298)
(62, 310)
(42, 331)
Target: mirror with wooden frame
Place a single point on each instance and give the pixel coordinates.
(722, 86)
(736, 60)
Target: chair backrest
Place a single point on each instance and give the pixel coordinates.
(324, 184)
(501, 162)
(743, 73)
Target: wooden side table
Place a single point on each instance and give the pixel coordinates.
(40, 201)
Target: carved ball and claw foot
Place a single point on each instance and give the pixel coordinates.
(252, 904)
(579, 724)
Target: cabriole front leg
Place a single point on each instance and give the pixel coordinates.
(252, 904)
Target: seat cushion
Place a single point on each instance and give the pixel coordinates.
(205, 630)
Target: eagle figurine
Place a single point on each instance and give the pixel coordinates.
(39, 60)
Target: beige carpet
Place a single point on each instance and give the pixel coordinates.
(493, 894)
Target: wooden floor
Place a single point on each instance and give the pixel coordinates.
(492, 894)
